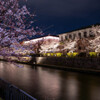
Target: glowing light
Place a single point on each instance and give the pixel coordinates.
(39, 39)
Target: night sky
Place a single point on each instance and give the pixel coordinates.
(60, 16)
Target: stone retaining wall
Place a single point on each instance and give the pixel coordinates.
(93, 63)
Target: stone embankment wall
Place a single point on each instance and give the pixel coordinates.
(79, 62)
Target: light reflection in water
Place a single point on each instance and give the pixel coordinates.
(52, 84)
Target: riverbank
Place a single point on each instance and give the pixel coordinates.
(76, 64)
(79, 64)
(71, 69)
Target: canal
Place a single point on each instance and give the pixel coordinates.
(52, 84)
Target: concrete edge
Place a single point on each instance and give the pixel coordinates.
(81, 70)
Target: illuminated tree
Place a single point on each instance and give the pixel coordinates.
(14, 26)
(37, 46)
(60, 47)
(96, 30)
(82, 45)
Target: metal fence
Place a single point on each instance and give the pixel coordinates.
(11, 92)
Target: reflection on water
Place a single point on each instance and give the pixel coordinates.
(51, 84)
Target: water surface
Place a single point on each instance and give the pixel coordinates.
(51, 84)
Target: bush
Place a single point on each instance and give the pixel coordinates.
(74, 54)
(44, 54)
(69, 54)
(58, 54)
(51, 54)
(48, 54)
(92, 54)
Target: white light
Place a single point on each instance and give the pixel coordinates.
(39, 39)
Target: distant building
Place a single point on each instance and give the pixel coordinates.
(80, 33)
(44, 44)
(45, 38)
(52, 43)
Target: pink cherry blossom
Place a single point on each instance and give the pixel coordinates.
(14, 27)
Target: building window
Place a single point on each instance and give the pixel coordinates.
(70, 36)
(66, 38)
(74, 35)
(79, 34)
(61, 38)
(85, 34)
(91, 34)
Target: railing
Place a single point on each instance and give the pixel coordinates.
(11, 92)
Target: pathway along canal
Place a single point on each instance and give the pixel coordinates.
(51, 84)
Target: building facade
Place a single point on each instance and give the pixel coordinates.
(80, 33)
(45, 39)
(44, 44)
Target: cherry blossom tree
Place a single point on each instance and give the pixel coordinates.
(14, 26)
(95, 30)
(37, 46)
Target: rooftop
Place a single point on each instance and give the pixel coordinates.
(80, 28)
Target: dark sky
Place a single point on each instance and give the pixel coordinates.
(59, 16)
